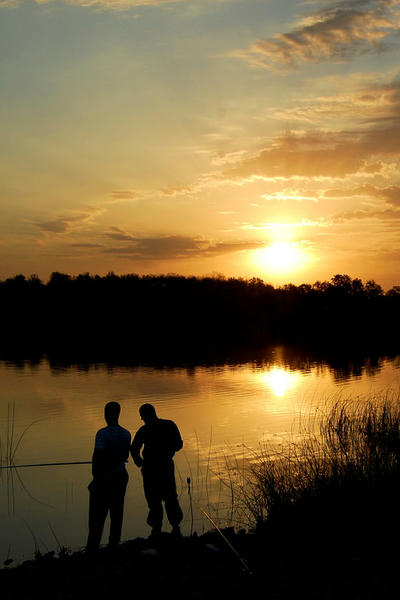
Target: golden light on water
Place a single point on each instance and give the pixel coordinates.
(280, 257)
(280, 381)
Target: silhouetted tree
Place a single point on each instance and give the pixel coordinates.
(150, 314)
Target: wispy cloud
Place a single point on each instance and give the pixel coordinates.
(105, 4)
(317, 154)
(276, 225)
(388, 214)
(176, 246)
(389, 194)
(370, 134)
(119, 234)
(60, 224)
(88, 245)
(67, 223)
(121, 195)
(338, 32)
(372, 104)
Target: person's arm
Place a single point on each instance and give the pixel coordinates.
(175, 438)
(126, 458)
(136, 447)
(98, 457)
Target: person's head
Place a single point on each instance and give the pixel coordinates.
(111, 413)
(148, 413)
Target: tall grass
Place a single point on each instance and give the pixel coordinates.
(342, 479)
(10, 441)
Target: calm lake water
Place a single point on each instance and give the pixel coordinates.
(225, 414)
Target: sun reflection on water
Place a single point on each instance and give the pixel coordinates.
(280, 380)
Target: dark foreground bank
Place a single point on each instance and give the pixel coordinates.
(206, 568)
(326, 525)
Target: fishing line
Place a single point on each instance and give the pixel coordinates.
(57, 464)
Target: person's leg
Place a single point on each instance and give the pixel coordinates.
(98, 508)
(152, 492)
(117, 509)
(170, 497)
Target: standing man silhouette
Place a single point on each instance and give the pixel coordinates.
(160, 439)
(110, 478)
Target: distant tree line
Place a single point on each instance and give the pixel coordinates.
(151, 315)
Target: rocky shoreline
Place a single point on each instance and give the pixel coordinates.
(205, 567)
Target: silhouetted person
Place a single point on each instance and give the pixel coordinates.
(110, 478)
(160, 439)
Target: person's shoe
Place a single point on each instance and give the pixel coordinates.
(176, 531)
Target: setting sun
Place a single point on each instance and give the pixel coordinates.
(280, 256)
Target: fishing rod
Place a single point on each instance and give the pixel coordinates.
(244, 565)
(57, 464)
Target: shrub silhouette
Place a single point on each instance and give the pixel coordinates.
(339, 488)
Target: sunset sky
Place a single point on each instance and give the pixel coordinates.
(244, 137)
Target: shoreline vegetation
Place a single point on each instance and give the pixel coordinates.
(323, 522)
(175, 319)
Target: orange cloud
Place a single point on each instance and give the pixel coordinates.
(118, 195)
(321, 154)
(390, 194)
(335, 33)
(372, 104)
(389, 214)
(176, 246)
(67, 223)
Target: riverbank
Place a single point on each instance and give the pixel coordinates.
(205, 567)
(323, 519)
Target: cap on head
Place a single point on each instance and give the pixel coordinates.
(148, 412)
(111, 411)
